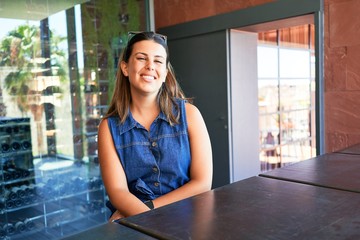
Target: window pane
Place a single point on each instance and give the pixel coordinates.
(294, 63)
(268, 95)
(269, 141)
(294, 94)
(287, 99)
(267, 62)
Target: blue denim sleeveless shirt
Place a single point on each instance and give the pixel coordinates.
(156, 161)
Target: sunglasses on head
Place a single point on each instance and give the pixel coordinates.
(134, 33)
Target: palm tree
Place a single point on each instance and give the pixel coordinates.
(16, 51)
(21, 60)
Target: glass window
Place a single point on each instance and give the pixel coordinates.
(58, 63)
(286, 93)
(268, 63)
(294, 63)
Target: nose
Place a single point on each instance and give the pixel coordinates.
(149, 66)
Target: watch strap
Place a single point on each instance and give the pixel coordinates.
(149, 203)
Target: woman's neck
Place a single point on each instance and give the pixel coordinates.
(144, 111)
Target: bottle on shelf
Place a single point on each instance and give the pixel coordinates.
(9, 228)
(10, 195)
(5, 147)
(7, 175)
(26, 144)
(30, 189)
(19, 191)
(20, 227)
(30, 225)
(18, 203)
(9, 204)
(2, 234)
(13, 173)
(15, 146)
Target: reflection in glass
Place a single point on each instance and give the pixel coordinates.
(57, 71)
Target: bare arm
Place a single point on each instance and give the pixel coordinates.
(201, 168)
(114, 177)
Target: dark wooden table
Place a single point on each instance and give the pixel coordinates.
(110, 231)
(333, 170)
(256, 208)
(355, 149)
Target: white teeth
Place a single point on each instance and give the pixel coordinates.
(149, 77)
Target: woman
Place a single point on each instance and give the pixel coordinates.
(153, 145)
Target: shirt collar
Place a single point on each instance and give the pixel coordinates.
(131, 123)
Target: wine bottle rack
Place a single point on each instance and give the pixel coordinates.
(35, 202)
(16, 150)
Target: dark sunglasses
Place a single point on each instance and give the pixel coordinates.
(133, 33)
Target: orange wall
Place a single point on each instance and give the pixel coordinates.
(171, 12)
(341, 63)
(342, 73)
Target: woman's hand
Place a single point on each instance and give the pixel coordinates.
(116, 215)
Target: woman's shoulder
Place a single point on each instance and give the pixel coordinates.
(103, 121)
(108, 121)
(192, 112)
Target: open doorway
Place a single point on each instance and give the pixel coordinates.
(286, 90)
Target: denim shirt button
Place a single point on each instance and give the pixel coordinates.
(155, 169)
(154, 144)
(156, 184)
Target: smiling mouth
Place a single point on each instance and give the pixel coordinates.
(148, 77)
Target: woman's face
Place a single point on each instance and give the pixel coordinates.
(146, 68)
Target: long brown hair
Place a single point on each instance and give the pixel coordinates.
(170, 90)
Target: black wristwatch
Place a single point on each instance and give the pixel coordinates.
(150, 204)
